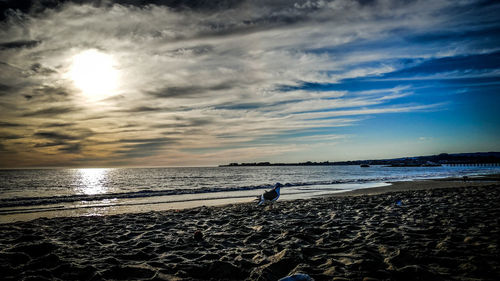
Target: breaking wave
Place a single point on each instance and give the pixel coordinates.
(33, 201)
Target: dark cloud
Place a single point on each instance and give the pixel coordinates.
(146, 146)
(10, 78)
(196, 50)
(189, 91)
(7, 136)
(174, 92)
(215, 28)
(194, 122)
(50, 92)
(64, 146)
(73, 134)
(133, 153)
(43, 93)
(144, 109)
(240, 106)
(266, 13)
(150, 140)
(71, 148)
(370, 2)
(67, 142)
(56, 125)
(18, 44)
(264, 106)
(4, 88)
(187, 4)
(38, 6)
(183, 122)
(8, 7)
(50, 112)
(39, 69)
(55, 136)
(143, 147)
(49, 144)
(8, 124)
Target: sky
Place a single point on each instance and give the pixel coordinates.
(196, 83)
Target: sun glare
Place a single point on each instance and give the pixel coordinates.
(94, 74)
(91, 181)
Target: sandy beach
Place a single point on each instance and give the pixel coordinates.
(426, 230)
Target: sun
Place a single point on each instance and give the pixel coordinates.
(93, 72)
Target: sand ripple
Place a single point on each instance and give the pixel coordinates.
(439, 234)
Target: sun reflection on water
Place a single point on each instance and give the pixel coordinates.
(92, 181)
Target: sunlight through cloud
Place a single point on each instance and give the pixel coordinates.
(93, 72)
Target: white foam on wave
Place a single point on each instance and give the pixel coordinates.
(167, 202)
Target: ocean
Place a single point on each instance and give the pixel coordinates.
(32, 193)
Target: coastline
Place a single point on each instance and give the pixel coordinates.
(116, 206)
(439, 230)
(450, 182)
(84, 192)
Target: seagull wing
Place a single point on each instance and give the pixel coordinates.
(270, 195)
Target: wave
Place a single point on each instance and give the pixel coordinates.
(128, 204)
(47, 200)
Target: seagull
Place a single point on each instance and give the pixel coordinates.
(271, 195)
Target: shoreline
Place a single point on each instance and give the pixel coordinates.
(413, 185)
(188, 201)
(429, 231)
(115, 206)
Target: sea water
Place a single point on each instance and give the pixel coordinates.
(31, 193)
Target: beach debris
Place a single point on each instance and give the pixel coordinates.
(469, 240)
(399, 203)
(297, 277)
(198, 235)
(271, 195)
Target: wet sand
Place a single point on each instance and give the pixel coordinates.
(428, 230)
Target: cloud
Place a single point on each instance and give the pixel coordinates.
(4, 88)
(231, 76)
(40, 6)
(71, 148)
(464, 63)
(55, 125)
(50, 112)
(18, 44)
(63, 138)
(62, 146)
(189, 91)
(144, 109)
(49, 144)
(138, 148)
(9, 124)
(55, 136)
(39, 69)
(7, 136)
(151, 140)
